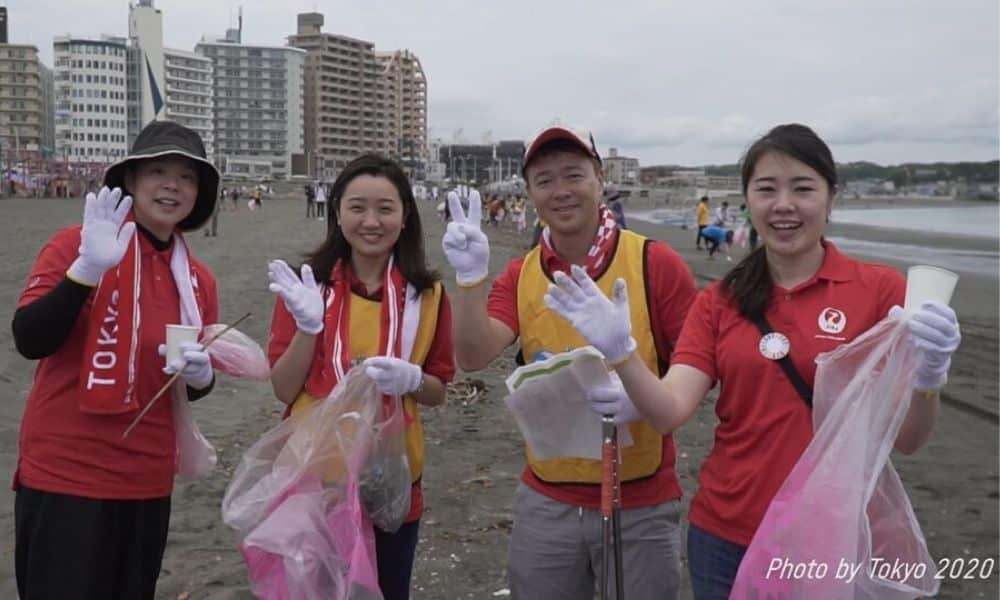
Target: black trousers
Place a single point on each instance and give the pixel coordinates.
(394, 553)
(697, 240)
(74, 548)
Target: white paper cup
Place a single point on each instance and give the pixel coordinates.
(924, 282)
(176, 334)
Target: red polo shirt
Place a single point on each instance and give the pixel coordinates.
(66, 451)
(764, 425)
(440, 361)
(670, 292)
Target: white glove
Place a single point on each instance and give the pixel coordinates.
(604, 323)
(393, 376)
(195, 365)
(934, 330)
(611, 399)
(302, 297)
(103, 240)
(465, 245)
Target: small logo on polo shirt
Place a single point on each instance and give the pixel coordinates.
(832, 320)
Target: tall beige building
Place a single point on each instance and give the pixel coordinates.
(23, 111)
(344, 103)
(406, 110)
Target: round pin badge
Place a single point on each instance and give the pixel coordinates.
(774, 346)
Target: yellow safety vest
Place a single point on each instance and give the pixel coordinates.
(541, 329)
(364, 340)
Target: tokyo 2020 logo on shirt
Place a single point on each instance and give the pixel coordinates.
(832, 320)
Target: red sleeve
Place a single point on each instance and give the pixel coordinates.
(502, 301)
(672, 291)
(51, 264)
(892, 291)
(282, 331)
(440, 361)
(696, 346)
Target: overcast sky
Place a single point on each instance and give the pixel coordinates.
(689, 82)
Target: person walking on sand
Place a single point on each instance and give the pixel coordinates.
(793, 282)
(371, 269)
(92, 508)
(320, 200)
(702, 216)
(555, 547)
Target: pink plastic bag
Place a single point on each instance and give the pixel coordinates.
(841, 526)
(295, 504)
(234, 354)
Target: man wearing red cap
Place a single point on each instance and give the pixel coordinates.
(555, 547)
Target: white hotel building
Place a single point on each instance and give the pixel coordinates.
(189, 86)
(259, 111)
(90, 99)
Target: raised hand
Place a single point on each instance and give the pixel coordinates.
(605, 323)
(103, 239)
(302, 297)
(465, 245)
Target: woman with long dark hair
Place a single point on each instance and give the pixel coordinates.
(370, 270)
(812, 298)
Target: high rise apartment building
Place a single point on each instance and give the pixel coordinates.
(344, 104)
(406, 109)
(90, 99)
(189, 84)
(23, 114)
(259, 107)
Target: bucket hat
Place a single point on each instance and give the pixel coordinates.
(162, 138)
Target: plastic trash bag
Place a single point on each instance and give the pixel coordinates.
(741, 236)
(295, 504)
(386, 479)
(234, 354)
(843, 506)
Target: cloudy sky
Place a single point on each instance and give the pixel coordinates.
(680, 82)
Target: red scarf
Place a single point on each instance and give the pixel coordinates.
(110, 368)
(331, 360)
(600, 250)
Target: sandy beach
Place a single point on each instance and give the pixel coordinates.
(474, 450)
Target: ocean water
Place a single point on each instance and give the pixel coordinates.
(971, 221)
(974, 221)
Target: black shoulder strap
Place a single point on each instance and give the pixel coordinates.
(786, 365)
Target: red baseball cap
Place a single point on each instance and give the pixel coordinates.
(581, 137)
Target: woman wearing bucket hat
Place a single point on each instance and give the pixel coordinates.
(94, 313)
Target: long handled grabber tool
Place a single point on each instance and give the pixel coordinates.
(611, 512)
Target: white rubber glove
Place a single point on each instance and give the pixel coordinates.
(934, 330)
(103, 239)
(465, 245)
(612, 400)
(195, 365)
(393, 376)
(605, 324)
(302, 297)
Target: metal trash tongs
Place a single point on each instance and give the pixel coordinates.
(610, 510)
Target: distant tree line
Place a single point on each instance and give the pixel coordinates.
(901, 175)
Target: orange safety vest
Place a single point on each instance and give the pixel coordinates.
(364, 341)
(542, 330)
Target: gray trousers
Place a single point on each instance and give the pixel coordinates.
(555, 550)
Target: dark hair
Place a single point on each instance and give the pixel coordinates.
(749, 283)
(557, 146)
(409, 249)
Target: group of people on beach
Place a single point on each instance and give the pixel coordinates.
(92, 509)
